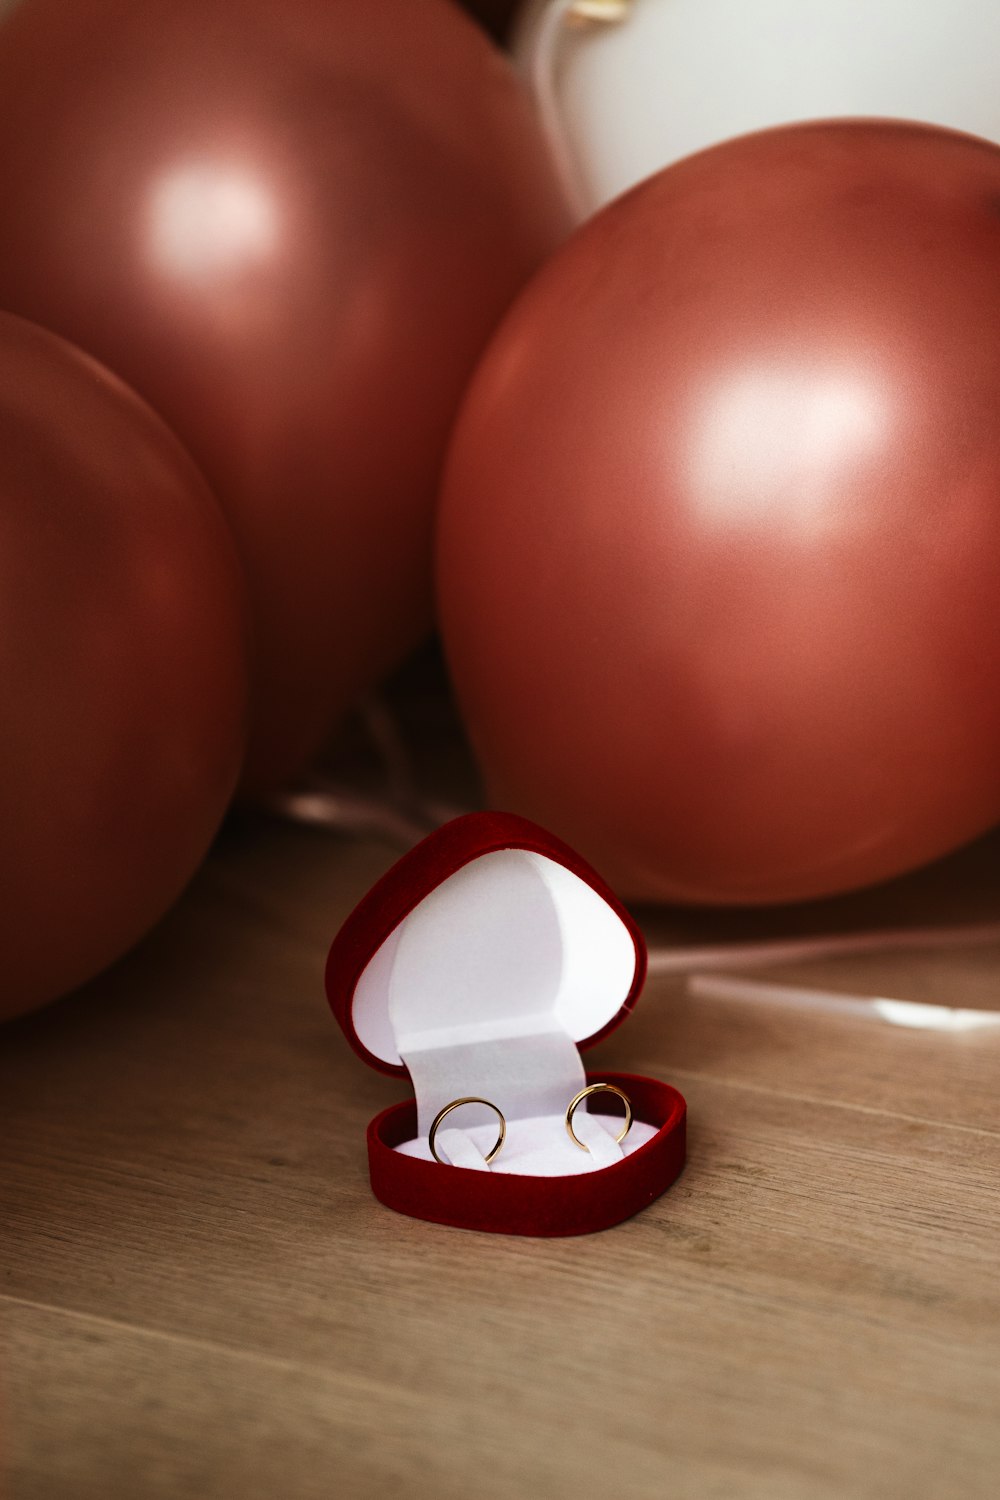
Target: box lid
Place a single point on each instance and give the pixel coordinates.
(489, 926)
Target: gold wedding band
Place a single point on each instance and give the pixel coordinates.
(456, 1104)
(598, 1088)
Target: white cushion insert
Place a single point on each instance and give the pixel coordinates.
(484, 989)
(541, 1147)
(511, 939)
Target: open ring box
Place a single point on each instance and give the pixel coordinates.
(481, 964)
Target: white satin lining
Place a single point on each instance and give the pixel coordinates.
(536, 1147)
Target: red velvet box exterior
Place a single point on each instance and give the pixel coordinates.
(499, 1203)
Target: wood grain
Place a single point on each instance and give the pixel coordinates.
(200, 1298)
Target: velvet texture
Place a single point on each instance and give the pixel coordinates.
(544, 1206)
(499, 1203)
(418, 873)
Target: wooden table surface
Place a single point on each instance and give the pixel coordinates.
(200, 1297)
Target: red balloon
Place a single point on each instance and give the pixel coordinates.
(291, 225)
(123, 667)
(720, 539)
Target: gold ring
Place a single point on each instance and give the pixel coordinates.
(456, 1104)
(598, 1088)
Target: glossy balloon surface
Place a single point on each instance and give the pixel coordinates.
(291, 225)
(123, 667)
(720, 538)
(675, 76)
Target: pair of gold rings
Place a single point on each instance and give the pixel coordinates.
(574, 1103)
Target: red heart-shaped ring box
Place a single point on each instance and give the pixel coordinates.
(479, 965)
